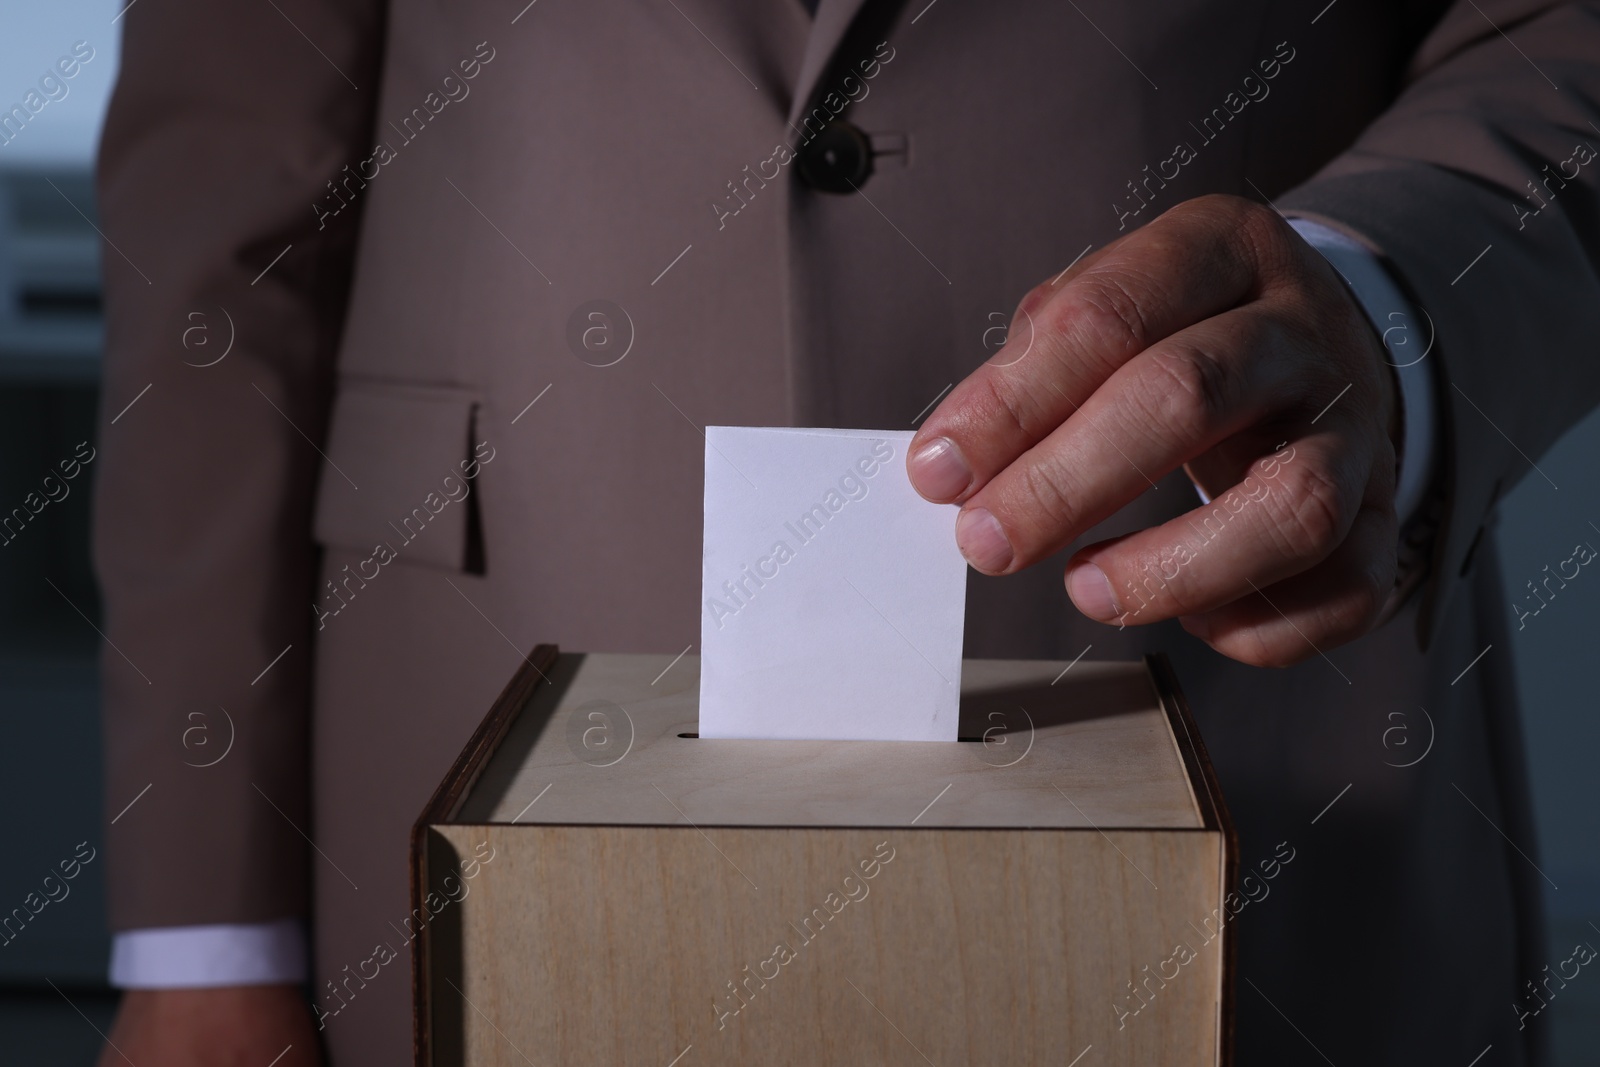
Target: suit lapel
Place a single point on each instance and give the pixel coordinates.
(832, 21)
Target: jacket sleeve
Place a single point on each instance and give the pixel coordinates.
(1481, 186)
(224, 301)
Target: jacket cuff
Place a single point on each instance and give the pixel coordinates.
(200, 957)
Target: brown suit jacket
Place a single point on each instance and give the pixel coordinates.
(402, 213)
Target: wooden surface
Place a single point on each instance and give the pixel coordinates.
(582, 945)
(1094, 749)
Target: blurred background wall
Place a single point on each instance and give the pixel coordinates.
(50, 340)
(53, 994)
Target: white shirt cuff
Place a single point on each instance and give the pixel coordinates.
(1407, 340)
(195, 957)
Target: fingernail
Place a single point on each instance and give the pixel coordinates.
(939, 471)
(982, 541)
(1091, 592)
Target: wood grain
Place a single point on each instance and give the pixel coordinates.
(615, 945)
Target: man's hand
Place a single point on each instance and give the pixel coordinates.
(1215, 338)
(235, 1026)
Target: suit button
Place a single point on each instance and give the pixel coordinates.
(837, 160)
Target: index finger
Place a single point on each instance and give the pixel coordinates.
(1184, 267)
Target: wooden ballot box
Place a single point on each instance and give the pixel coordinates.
(594, 884)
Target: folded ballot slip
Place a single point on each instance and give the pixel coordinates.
(833, 596)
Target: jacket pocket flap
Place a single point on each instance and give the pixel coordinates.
(401, 472)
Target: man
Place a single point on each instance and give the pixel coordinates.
(535, 249)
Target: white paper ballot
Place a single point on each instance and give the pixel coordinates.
(833, 595)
